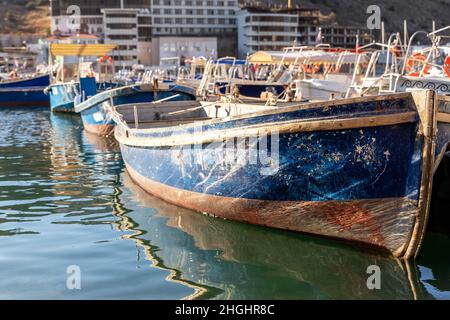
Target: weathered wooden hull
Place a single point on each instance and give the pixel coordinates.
(333, 270)
(94, 112)
(358, 170)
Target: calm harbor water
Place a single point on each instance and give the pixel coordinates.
(65, 199)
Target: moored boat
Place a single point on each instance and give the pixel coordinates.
(36, 81)
(25, 92)
(95, 110)
(358, 169)
(65, 87)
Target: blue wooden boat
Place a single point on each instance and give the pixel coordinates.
(358, 170)
(27, 92)
(37, 81)
(95, 110)
(23, 97)
(63, 95)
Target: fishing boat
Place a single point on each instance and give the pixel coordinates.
(70, 69)
(231, 76)
(316, 73)
(358, 170)
(407, 69)
(24, 92)
(35, 81)
(95, 110)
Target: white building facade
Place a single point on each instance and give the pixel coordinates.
(265, 30)
(194, 17)
(121, 28)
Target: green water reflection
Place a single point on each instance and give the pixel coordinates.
(66, 200)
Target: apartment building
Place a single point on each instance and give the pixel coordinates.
(273, 28)
(126, 27)
(197, 18)
(260, 29)
(345, 36)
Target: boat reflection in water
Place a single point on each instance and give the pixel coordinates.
(248, 262)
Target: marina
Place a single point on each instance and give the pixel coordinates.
(287, 171)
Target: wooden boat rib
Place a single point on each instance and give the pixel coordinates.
(358, 170)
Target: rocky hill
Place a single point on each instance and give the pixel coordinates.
(24, 16)
(418, 13)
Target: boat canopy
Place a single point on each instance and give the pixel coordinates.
(262, 57)
(80, 50)
(310, 56)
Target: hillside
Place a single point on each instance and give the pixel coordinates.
(25, 16)
(418, 13)
(32, 16)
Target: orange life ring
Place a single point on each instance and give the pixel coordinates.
(104, 59)
(447, 66)
(411, 65)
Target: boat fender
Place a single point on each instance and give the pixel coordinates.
(411, 67)
(447, 66)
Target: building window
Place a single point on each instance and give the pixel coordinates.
(144, 20)
(120, 26)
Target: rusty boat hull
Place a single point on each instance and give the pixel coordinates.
(358, 170)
